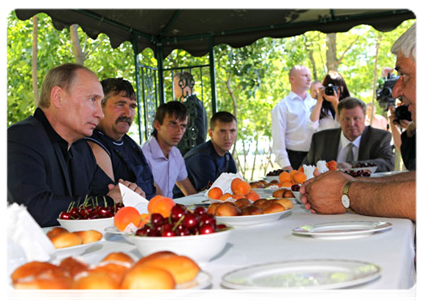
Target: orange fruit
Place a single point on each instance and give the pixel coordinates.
(284, 176)
(215, 193)
(144, 218)
(160, 205)
(242, 188)
(234, 182)
(332, 165)
(125, 216)
(287, 184)
(253, 196)
(301, 169)
(225, 196)
(236, 197)
(300, 177)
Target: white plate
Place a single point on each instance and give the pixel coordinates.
(240, 221)
(346, 229)
(76, 250)
(202, 281)
(382, 174)
(302, 274)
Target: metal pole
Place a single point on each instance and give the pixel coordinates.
(160, 71)
(212, 76)
(137, 81)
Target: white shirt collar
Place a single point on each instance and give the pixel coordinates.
(345, 141)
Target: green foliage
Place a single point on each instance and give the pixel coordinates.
(257, 73)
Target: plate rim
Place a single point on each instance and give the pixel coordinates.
(385, 226)
(202, 285)
(353, 282)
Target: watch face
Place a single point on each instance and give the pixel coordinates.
(345, 201)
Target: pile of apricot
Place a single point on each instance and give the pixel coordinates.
(239, 188)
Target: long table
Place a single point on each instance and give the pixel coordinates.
(392, 250)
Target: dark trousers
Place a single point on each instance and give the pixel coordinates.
(296, 158)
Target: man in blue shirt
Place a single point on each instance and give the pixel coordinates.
(207, 161)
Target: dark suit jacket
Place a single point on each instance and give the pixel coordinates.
(38, 174)
(375, 147)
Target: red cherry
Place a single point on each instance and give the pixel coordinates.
(190, 221)
(199, 210)
(206, 229)
(177, 212)
(156, 219)
(182, 231)
(65, 215)
(208, 219)
(167, 231)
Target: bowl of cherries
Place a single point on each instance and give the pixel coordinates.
(295, 188)
(88, 215)
(193, 233)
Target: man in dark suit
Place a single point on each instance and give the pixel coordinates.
(49, 166)
(353, 142)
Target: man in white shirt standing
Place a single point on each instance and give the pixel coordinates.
(291, 135)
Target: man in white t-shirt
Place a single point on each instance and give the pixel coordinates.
(291, 135)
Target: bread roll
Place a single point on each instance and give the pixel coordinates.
(89, 236)
(182, 268)
(278, 193)
(144, 277)
(257, 185)
(288, 194)
(73, 266)
(287, 203)
(251, 210)
(40, 275)
(95, 281)
(227, 209)
(261, 203)
(119, 256)
(273, 208)
(115, 270)
(243, 202)
(56, 231)
(212, 208)
(66, 239)
(35, 269)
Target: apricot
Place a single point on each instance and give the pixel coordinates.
(225, 196)
(144, 219)
(227, 209)
(286, 184)
(253, 196)
(215, 193)
(332, 165)
(284, 177)
(301, 169)
(95, 280)
(299, 177)
(236, 197)
(241, 188)
(160, 205)
(234, 182)
(125, 216)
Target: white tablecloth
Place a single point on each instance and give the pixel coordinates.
(392, 250)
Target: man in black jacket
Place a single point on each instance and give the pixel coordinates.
(49, 166)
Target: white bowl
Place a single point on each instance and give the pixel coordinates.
(200, 248)
(95, 224)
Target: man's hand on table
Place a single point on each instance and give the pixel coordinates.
(322, 194)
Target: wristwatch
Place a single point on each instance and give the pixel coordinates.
(345, 199)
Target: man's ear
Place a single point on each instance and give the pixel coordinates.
(156, 125)
(56, 96)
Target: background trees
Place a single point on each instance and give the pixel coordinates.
(250, 80)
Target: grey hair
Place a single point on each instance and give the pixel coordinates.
(350, 102)
(406, 43)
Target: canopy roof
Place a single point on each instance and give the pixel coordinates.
(196, 30)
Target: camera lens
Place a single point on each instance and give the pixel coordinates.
(402, 113)
(330, 89)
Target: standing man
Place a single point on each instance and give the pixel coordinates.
(49, 164)
(183, 88)
(390, 196)
(207, 161)
(164, 158)
(354, 142)
(314, 89)
(291, 135)
(116, 153)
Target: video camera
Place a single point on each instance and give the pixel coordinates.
(385, 99)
